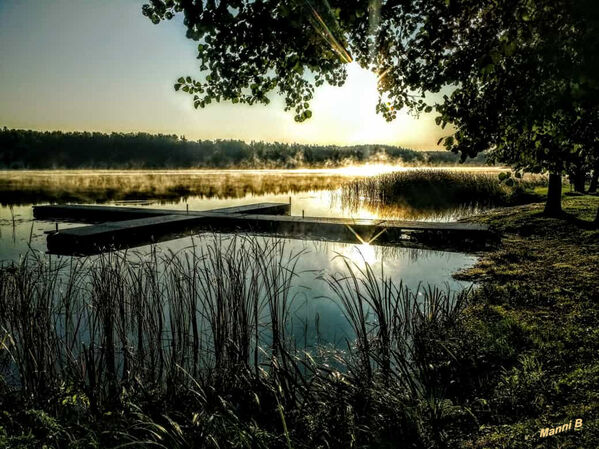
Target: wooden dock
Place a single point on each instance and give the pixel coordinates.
(97, 214)
(128, 227)
(373, 231)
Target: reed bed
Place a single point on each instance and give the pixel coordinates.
(193, 349)
(425, 192)
(99, 186)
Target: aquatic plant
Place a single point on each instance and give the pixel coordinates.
(192, 349)
(426, 191)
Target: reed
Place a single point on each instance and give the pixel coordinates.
(403, 342)
(421, 193)
(193, 348)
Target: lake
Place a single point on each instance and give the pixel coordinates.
(312, 191)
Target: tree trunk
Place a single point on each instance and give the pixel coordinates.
(594, 179)
(577, 179)
(581, 178)
(553, 206)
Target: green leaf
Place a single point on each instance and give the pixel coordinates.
(494, 56)
(489, 68)
(509, 48)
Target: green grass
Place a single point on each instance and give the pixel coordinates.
(193, 350)
(544, 278)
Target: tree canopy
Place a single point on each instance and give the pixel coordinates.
(519, 76)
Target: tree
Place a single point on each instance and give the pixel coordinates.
(525, 77)
(248, 48)
(519, 75)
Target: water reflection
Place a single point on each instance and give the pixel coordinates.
(315, 312)
(313, 193)
(99, 186)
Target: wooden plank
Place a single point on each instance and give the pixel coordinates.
(96, 214)
(138, 224)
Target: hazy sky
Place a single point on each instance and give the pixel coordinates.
(101, 65)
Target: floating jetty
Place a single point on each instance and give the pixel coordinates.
(96, 214)
(122, 227)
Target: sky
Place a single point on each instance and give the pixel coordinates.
(100, 65)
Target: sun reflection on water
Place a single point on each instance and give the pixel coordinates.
(361, 254)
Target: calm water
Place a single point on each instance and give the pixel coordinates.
(311, 191)
(314, 192)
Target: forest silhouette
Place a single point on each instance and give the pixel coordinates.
(25, 149)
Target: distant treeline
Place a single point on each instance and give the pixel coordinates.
(23, 149)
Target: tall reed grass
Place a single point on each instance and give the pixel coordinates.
(427, 191)
(194, 347)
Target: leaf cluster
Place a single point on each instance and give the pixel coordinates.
(516, 76)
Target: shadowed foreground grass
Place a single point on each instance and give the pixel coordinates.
(196, 354)
(545, 281)
(193, 350)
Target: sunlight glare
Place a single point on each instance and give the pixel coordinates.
(362, 254)
(368, 170)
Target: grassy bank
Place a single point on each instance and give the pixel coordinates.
(545, 282)
(487, 369)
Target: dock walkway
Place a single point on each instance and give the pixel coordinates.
(127, 227)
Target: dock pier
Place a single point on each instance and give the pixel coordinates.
(123, 227)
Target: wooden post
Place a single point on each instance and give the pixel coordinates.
(302, 213)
